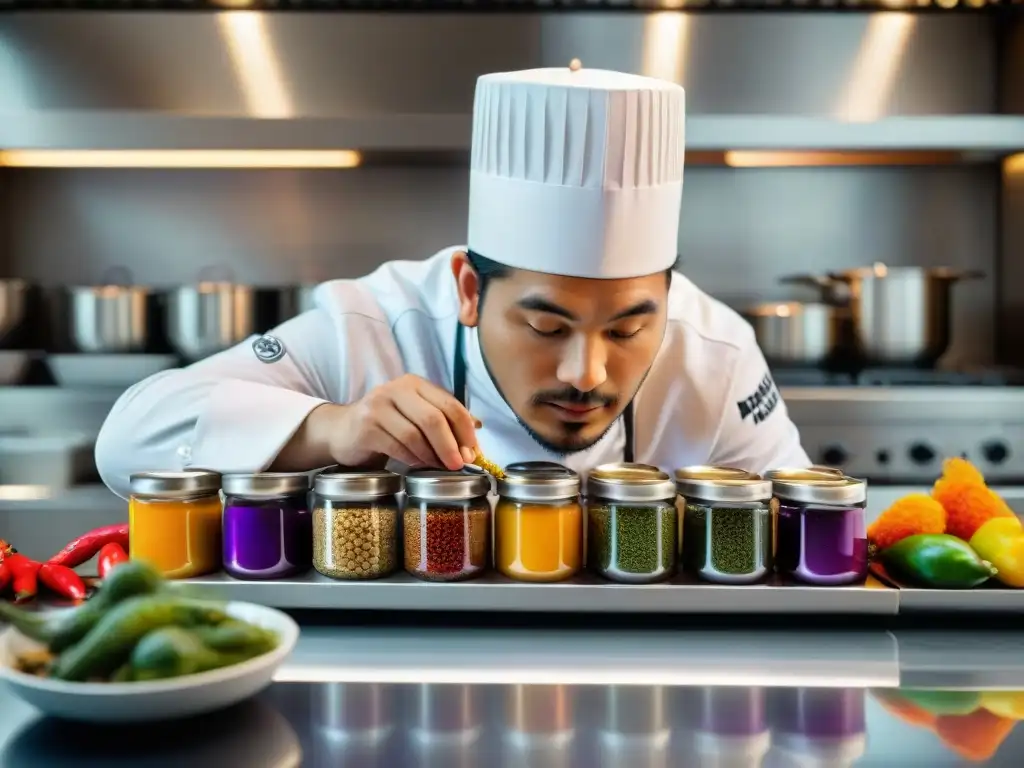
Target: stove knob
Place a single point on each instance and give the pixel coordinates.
(834, 456)
(995, 451)
(922, 454)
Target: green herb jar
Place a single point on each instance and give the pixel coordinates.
(727, 528)
(632, 524)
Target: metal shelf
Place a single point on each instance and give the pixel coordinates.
(585, 594)
(989, 135)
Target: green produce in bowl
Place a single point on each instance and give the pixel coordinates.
(109, 644)
(936, 560)
(943, 702)
(175, 652)
(62, 630)
(235, 635)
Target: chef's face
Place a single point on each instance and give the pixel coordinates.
(567, 354)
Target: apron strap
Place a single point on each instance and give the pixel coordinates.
(459, 390)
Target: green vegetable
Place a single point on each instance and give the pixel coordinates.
(61, 630)
(638, 540)
(174, 652)
(234, 635)
(936, 560)
(943, 702)
(109, 644)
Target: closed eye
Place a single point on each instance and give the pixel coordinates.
(548, 334)
(623, 335)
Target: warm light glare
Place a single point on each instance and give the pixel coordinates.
(870, 84)
(256, 64)
(1014, 164)
(184, 158)
(766, 159)
(665, 42)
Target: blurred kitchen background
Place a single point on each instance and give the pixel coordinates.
(171, 183)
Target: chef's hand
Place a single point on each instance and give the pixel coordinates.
(408, 419)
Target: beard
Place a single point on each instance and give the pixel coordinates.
(571, 442)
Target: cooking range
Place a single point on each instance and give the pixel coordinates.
(895, 426)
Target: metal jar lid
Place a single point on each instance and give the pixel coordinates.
(713, 486)
(439, 485)
(187, 484)
(357, 486)
(804, 474)
(266, 485)
(711, 472)
(549, 483)
(835, 492)
(630, 482)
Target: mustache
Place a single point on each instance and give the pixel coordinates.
(573, 396)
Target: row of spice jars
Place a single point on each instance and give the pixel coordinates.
(807, 524)
(195, 522)
(734, 525)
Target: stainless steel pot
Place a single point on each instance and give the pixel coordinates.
(12, 306)
(109, 318)
(899, 315)
(799, 334)
(209, 317)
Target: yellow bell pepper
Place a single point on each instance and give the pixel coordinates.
(1000, 541)
(1009, 704)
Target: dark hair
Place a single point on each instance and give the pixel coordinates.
(488, 269)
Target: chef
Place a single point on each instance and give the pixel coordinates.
(559, 332)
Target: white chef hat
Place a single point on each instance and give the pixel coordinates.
(577, 172)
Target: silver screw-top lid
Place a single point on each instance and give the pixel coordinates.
(716, 485)
(547, 483)
(834, 492)
(266, 485)
(630, 482)
(711, 472)
(187, 484)
(357, 486)
(803, 474)
(440, 485)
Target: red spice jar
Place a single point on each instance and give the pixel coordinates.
(447, 525)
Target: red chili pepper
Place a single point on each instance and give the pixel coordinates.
(111, 555)
(83, 548)
(26, 576)
(5, 576)
(62, 580)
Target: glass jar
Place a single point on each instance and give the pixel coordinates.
(727, 528)
(268, 532)
(632, 524)
(813, 472)
(174, 522)
(539, 525)
(355, 524)
(822, 530)
(447, 525)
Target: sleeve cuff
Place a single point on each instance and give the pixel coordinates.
(245, 425)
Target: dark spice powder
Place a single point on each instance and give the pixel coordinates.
(456, 542)
(630, 535)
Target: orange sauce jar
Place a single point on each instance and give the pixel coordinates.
(539, 525)
(174, 522)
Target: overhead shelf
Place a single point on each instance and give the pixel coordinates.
(985, 135)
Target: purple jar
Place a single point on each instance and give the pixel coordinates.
(268, 529)
(822, 533)
(818, 713)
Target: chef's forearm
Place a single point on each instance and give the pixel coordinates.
(310, 447)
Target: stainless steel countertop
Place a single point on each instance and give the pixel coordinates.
(464, 696)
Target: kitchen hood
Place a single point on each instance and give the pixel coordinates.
(383, 82)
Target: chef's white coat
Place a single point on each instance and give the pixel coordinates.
(708, 398)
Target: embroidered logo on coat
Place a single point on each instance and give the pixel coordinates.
(761, 402)
(268, 349)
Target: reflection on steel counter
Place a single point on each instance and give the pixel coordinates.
(372, 725)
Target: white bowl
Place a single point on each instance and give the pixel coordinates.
(157, 699)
